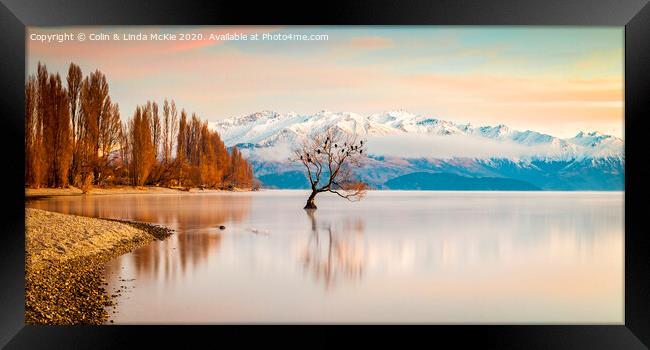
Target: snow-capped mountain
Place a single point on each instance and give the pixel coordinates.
(400, 143)
(268, 129)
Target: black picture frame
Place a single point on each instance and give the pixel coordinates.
(634, 15)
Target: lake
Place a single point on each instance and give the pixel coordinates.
(396, 256)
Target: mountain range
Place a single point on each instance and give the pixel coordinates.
(409, 151)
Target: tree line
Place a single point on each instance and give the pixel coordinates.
(74, 136)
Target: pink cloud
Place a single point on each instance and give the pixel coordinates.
(228, 82)
(370, 43)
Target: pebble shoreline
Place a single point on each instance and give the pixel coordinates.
(64, 262)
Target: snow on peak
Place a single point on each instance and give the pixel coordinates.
(495, 132)
(269, 129)
(598, 145)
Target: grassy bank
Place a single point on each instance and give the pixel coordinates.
(64, 260)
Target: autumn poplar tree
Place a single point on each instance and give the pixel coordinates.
(74, 134)
(95, 110)
(33, 135)
(156, 128)
(74, 79)
(58, 133)
(55, 132)
(169, 129)
(109, 140)
(141, 146)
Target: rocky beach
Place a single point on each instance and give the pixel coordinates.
(64, 260)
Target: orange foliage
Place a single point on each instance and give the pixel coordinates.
(75, 135)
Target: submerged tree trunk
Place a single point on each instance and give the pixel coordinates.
(311, 204)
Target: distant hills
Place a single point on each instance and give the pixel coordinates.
(413, 181)
(409, 151)
(451, 182)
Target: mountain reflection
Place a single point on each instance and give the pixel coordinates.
(334, 254)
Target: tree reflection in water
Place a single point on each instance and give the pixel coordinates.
(195, 218)
(332, 254)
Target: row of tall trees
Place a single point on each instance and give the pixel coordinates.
(74, 136)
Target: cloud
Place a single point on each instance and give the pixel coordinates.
(370, 43)
(436, 74)
(451, 146)
(278, 153)
(524, 102)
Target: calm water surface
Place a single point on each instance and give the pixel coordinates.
(435, 257)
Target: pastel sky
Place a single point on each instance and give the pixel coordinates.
(557, 80)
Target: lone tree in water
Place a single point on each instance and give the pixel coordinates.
(329, 160)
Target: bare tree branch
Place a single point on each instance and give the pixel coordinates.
(329, 160)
